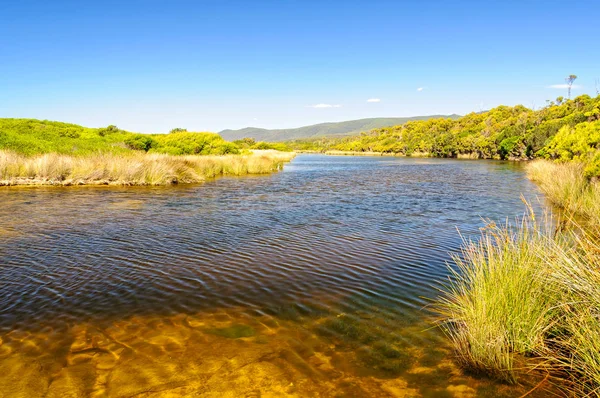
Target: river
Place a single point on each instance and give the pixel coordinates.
(314, 281)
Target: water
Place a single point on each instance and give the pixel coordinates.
(311, 282)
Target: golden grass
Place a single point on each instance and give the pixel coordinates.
(131, 169)
(498, 303)
(565, 185)
(575, 272)
(530, 292)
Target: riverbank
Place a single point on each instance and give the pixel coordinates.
(136, 168)
(372, 153)
(565, 130)
(567, 187)
(529, 293)
(460, 156)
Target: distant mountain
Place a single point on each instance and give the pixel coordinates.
(323, 129)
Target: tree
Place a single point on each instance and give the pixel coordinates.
(570, 79)
(177, 130)
(108, 130)
(140, 142)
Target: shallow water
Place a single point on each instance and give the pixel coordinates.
(313, 281)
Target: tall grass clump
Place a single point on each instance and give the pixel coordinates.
(131, 169)
(527, 296)
(575, 271)
(566, 186)
(498, 303)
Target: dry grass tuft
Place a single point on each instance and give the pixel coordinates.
(133, 169)
(531, 292)
(566, 186)
(498, 303)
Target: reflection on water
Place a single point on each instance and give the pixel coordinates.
(310, 282)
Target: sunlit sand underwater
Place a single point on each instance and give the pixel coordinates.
(231, 353)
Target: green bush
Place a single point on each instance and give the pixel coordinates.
(575, 143)
(140, 142)
(278, 146)
(187, 143)
(29, 136)
(108, 130)
(500, 133)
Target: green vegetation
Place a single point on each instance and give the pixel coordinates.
(323, 129)
(43, 152)
(184, 143)
(250, 143)
(567, 187)
(524, 296)
(566, 129)
(579, 143)
(499, 302)
(530, 293)
(29, 136)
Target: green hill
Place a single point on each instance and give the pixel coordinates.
(323, 129)
(31, 136)
(564, 130)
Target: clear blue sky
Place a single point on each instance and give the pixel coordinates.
(150, 65)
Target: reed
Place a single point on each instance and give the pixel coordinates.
(131, 169)
(527, 294)
(497, 303)
(566, 186)
(575, 271)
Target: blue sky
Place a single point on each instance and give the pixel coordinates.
(151, 65)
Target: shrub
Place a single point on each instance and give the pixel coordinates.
(140, 142)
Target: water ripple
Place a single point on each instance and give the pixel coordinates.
(339, 232)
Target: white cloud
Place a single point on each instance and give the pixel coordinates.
(373, 100)
(421, 89)
(318, 106)
(564, 86)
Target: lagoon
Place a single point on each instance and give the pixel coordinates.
(314, 281)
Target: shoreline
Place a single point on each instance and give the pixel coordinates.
(545, 317)
(460, 156)
(139, 169)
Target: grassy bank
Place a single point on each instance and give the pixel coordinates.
(503, 132)
(32, 137)
(135, 168)
(42, 152)
(352, 153)
(567, 187)
(526, 295)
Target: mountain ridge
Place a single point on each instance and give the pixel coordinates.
(347, 127)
